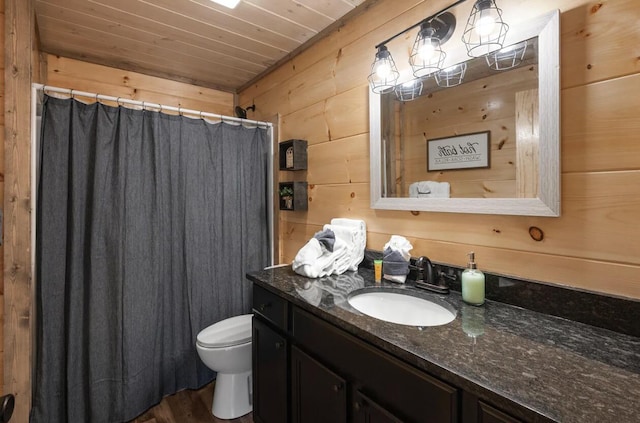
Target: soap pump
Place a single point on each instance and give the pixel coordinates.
(472, 283)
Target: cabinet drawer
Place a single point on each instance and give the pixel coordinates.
(408, 393)
(270, 306)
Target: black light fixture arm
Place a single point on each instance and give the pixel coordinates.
(429, 19)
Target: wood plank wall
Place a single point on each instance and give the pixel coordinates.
(19, 33)
(322, 96)
(2, 167)
(69, 73)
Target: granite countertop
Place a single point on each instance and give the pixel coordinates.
(554, 368)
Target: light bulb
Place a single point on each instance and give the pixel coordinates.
(426, 50)
(485, 25)
(383, 70)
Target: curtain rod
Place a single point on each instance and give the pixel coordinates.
(145, 104)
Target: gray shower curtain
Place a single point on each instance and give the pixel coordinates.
(146, 226)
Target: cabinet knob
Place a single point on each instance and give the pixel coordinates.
(263, 306)
(337, 387)
(357, 406)
(279, 345)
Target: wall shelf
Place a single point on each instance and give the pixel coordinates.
(293, 155)
(298, 200)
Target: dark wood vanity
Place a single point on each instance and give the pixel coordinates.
(316, 359)
(307, 370)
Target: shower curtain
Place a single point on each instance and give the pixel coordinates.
(146, 226)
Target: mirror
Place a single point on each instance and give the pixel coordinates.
(489, 145)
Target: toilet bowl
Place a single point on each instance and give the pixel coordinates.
(225, 347)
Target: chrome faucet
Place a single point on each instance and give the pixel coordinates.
(425, 276)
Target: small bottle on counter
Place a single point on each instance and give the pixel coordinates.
(377, 267)
(472, 283)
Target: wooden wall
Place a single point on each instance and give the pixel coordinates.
(2, 25)
(322, 96)
(69, 73)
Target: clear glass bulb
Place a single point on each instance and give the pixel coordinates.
(383, 70)
(426, 50)
(485, 25)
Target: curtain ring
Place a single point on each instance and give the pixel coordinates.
(160, 111)
(97, 99)
(71, 94)
(143, 106)
(201, 117)
(179, 110)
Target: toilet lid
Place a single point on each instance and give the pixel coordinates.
(227, 333)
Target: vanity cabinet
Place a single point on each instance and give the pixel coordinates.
(317, 394)
(270, 358)
(307, 370)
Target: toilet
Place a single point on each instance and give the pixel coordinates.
(225, 347)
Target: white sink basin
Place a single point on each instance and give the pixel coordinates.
(400, 307)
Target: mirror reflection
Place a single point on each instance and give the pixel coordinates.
(481, 136)
(469, 131)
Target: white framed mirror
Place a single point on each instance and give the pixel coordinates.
(519, 150)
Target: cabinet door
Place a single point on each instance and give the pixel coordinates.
(317, 394)
(366, 410)
(269, 374)
(488, 414)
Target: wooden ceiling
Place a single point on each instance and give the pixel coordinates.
(194, 41)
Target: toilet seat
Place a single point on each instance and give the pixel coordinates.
(226, 333)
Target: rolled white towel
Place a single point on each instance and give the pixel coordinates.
(359, 228)
(313, 261)
(429, 189)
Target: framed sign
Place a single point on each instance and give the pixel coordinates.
(468, 151)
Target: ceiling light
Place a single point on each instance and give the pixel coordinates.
(231, 4)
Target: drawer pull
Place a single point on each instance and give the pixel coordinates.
(357, 406)
(264, 306)
(337, 387)
(279, 345)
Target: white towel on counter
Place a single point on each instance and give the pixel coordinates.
(429, 189)
(358, 237)
(315, 261)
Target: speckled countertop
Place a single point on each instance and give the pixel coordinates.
(554, 369)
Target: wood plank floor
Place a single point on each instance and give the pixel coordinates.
(188, 406)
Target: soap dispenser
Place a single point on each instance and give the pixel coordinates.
(472, 283)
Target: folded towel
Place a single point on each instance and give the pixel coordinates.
(429, 189)
(394, 263)
(395, 260)
(313, 260)
(327, 238)
(359, 238)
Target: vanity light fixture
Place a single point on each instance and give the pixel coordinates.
(384, 73)
(427, 56)
(485, 31)
(508, 57)
(451, 76)
(231, 4)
